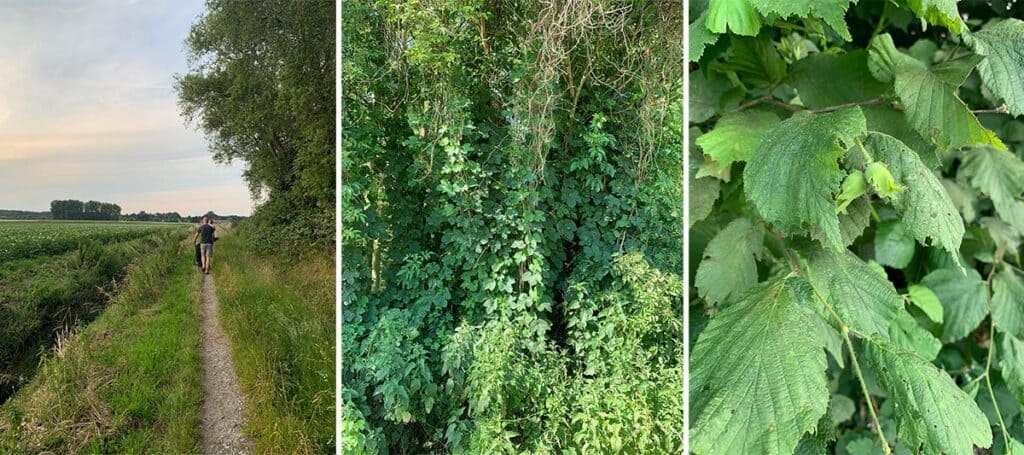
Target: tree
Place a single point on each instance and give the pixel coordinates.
(261, 85)
(855, 187)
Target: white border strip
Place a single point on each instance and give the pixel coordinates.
(686, 228)
(337, 225)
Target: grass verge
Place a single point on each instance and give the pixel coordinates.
(279, 315)
(129, 382)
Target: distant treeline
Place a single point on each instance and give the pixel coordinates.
(73, 209)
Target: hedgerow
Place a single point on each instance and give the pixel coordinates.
(512, 227)
(856, 222)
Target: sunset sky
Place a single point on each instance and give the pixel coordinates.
(88, 110)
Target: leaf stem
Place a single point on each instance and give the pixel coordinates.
(992, 344)
(864, 389)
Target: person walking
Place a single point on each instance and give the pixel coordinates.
(205, 236)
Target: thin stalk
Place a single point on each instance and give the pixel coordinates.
(992, 345)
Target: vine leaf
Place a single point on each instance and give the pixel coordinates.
(1002, 70)
(736, 135)
(964, 301)
(939, 12)
(1011, 361)
(738, 16)
(832, 12)
(793, 174)
(932, 106)
(728, 267)
(758, 384)
(931, 411)
(1000, 175)
(925, 208)
(1008, 302)
(865, 300)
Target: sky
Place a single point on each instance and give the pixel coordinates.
(88, 110)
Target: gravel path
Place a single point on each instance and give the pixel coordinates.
(223, 407)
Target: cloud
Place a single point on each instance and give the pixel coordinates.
(88, 110)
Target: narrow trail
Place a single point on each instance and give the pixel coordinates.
(223, 408)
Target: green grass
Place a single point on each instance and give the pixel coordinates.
(279, 315)
(28, 239)
(130, 382)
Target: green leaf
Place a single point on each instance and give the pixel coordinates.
(894, 246)
(931, 411)
(1002, 70)
(755, 60)
(728, 267)
(906, 333)
(793, 174)
(1000, 175)
(851, 224)
(737, 16)
(824, 80)
(931, 103)
(700, 37)
(758, 385)
(939, 12)
(1008, 302)
(833, 12)
(865, 300)
(1011, 361)
(706, 92)
(736, 135)
(964, 301)
(924, 206)
(703, 193)
(926, 300)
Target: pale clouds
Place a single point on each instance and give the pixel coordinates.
(88, 110)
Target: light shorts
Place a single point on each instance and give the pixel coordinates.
(206, 249)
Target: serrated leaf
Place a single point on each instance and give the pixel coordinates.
(1002, 70)
(865, 301)
(926, 300)
(824, 80)
(736, 135)
(923, 205)
(728, 267)
(851, 224)
(964, 301)
(963, 199)
(939, 12)
(998, 174)
(705, 95)
(1011, 361)
(700, 37)
(755, 60)
(833, 12)
(906, 333)
(931, 411)
(841, 408)
(793, 174)
(703, 193)
(1008, 302)
(737, 16)
(757, 385)
(894, 246)
(932, 106)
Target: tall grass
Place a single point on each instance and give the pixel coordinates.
(279, 314)
(130, 382)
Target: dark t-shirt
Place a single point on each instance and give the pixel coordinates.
(206, 234)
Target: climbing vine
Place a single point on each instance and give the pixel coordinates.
(512, 220)
(856, 221)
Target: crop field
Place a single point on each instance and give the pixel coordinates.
(29, 239)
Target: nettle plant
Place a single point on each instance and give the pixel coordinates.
(856, 220)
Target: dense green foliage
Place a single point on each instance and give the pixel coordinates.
(130, 381)
(261, 85)
(857, 213)
(279, 314)
(24, 215)
(73, 209)
(29, 239)
(511, 227)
